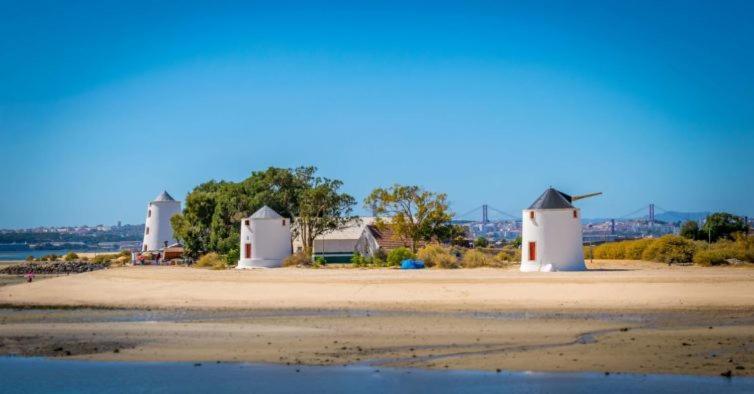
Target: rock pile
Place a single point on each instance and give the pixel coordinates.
(53, 267)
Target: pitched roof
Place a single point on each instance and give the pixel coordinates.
(265, 213)
(387, 239)
(164, 196)
(552, 199)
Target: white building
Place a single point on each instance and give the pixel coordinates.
(158, 233)
(265, 239)
(551, 235)
(337, 246)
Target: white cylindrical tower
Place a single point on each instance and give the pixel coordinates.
(551, 235)
(265, 239)
(158, 233)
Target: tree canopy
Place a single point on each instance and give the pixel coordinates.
(414, 214)
(690, 229)
(722, 225)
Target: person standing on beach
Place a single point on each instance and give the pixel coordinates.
(29, 276)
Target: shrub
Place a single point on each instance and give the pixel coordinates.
(29, 258)
(211, 260)
(120, 261)
(233, 256)
(481, 242)
(707, 258)
(104, 258)
(670, 249)
(397, 255)
(474, 259)
(70, 256)
(509, 255)
(357, 260)
(319, 261)
(297, 260)
(437, 256)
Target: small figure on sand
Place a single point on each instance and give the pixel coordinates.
(30, 276)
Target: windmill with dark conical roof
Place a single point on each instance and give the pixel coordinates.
(551, 234)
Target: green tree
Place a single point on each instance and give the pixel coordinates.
(481, 242)
(415, 214)
(722, 225)
(321, 207)
(690, 230)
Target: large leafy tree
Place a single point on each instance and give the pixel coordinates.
(690, 229)
(722, 225)
(412, 213)
(322, 207)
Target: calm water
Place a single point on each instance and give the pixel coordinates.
(10, 256)
(39, 375)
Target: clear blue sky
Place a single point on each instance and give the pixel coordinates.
(104, 104)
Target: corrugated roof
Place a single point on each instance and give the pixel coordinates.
(266, 213)
(352, 230)
(164, 196)
(552, 199)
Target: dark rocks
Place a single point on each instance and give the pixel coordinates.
(727, 374)
(52, 267)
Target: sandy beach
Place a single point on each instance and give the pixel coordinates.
(657, 319)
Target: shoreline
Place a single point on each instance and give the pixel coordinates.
(631, 318)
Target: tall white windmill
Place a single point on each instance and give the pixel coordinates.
(551, 235)
(158, 232)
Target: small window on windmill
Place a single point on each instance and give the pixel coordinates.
(147, 230)
(149, 213)
(531, 215)
(575, 214)
(246, 222)
(283, 222)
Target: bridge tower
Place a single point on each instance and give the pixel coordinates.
(485, 215)
(651, 215)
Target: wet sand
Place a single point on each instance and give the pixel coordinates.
(637, 317)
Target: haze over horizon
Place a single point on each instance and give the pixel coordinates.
(103, 105)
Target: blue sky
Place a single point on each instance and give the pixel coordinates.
(104, 104)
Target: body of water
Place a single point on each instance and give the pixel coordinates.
(41, 375)
(21, 255)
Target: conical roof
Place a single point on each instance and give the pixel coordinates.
(266, 213)
(164, 196)
(552, 199)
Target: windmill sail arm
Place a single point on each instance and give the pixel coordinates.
(583, 196)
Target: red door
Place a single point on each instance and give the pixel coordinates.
(247, 251)
(532, 251)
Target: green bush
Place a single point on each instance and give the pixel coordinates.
(104, 258)
(481, 242)
(397, 255)
(509, 255)
(30, 258)
(474, 259)
(437, 256)
(319, 261)
(212, 260)
(707, 258)
(70, 257)
(670, 249)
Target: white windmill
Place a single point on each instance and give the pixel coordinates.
(265, 239)
(551, 234)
